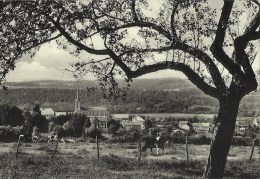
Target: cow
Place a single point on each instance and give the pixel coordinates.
(67, 140)
(35, 139)
(21, 138)
(52, 138)
(151, 142)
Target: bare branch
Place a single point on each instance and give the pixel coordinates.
(135, 17)
(75, 42)
(175, 7)
(203, 57)
(217, 46)
(193, 76)
(147, 50)
(241, 56)
(42, 42)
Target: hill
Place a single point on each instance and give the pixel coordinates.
(168, 95)
(140, 84)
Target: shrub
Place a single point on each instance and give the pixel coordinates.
(9, 133)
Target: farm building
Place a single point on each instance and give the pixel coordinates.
(101, 121)
(201, 126)
(242, 125)
(47, 112)
(128, 125)
(120, 117)
(137, 118)
(183, 125)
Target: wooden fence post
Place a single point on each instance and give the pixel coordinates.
(97, 147)
(187, 148)
(17, 148)
(56, 147)
(252, 151)
(140, 153)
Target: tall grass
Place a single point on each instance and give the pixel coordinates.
(112, 166)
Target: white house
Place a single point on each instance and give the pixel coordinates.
(137, 118)
(120, 117)
(47, 112)
(183, 125)
(128, 125)
(201, 126)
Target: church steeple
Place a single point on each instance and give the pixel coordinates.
(77, 103)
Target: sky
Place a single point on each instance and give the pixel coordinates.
(50, 61)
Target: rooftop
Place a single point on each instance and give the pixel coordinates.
(47, 111)
(131, 123)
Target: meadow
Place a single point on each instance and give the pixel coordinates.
(117, 161)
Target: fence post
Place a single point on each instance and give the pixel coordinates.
(17, 148)
(97, 147)
(187, 148)
(56, 147)
(140, 153)
(252, 150)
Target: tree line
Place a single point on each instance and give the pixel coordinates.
(137, 101)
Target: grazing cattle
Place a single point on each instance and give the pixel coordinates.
(21, 138)
(67, 140)
(35, 139)
(151, 142)
(52, 138)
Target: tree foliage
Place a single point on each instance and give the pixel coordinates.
(132, 38)
(10, 115)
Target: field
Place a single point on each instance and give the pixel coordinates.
(117, 161)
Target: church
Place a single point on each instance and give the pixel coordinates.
(101, 114)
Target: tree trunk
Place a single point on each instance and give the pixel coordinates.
(222, 140)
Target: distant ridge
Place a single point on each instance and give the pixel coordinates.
(167, 84)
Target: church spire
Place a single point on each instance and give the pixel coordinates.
(77, 103)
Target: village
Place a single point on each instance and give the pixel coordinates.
(200, 123)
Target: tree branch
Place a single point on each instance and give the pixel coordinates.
(120, 63)
(75, 42)
(192, 76)
(147, 50)
(175, 7)
(217, 45)
(153, 26)
(241, 56)
(42, 42)
(135, 17)
(203, 57)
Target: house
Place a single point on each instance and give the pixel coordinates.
(120, 117)
(160, 126)
(96, 111)
(101, 121)
(62, 113)
(201, 126)
(242, 125)
(137, 118)
(183, 125)
(128, 125)
(256, 121)
(47, 112)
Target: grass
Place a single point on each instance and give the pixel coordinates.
(117, 161)
(111, 166)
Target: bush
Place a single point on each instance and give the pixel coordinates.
(9, 133)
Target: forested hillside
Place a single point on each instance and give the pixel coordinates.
(145, 96)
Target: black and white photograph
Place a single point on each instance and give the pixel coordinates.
(138, 89)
